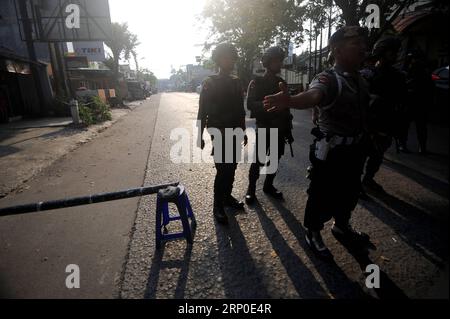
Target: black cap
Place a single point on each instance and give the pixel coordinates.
(272, 53)
(347, 33)
(223, 49)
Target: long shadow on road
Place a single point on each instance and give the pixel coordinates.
(301, 277)
(159, 264)
(436, 186)
(241, 277)
(420, 231)
(387, 289)
(339, 285)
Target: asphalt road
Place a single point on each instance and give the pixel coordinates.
(36, 248)
(261, 254)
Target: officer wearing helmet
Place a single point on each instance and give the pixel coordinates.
(221, 108)
(259, 87)
(388, 92)
(337, 154)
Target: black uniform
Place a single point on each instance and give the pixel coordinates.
(222, 106)
(337, 154)
(257, 90)
(388, 90)
(419, 87)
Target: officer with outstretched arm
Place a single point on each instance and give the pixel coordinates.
(337, 154)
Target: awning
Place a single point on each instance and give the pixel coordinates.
(17, 67)
(6, 54)
(404, 21)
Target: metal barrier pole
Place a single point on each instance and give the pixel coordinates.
(83, 200)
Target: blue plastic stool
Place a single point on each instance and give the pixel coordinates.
(178, 196)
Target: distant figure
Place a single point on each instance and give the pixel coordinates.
(388, 92)
(4, 116)
(419, 99)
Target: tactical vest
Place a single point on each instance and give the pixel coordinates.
(225, 104)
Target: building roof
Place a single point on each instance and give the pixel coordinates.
(404, 21)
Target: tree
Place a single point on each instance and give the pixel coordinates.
(252, 25)
(353, 12)
(122, 44)
(179, 80)
(319, 15)
(148, 75)
(208, 64)
(132, 44)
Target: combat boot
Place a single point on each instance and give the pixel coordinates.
(269, 189)
(272, 191)
(347, 232)
(219, 214)
(315, 242)
(232, 202)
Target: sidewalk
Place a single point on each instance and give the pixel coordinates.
(433, 166)
(27, 147)
(35, 249)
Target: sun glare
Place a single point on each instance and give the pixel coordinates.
(170, 31)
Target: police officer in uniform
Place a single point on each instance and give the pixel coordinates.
(258, 88)
(419, 94)
(388, 93)
(221, 106)
(337, 154)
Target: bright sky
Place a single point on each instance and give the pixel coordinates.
(169, 31)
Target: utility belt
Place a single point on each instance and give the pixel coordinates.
(325, 142)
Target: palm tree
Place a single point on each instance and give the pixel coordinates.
(131, 49)
(122, 43)
(118, 44)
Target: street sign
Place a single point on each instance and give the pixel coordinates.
(68, 20)
(93, 50)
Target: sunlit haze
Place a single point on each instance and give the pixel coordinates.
(170, 31)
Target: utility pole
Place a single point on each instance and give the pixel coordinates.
(320, 51)
(330, 19)
(55, 72)
(315, 50)
(62, 68)
(28, 32)
(59, 70)
(310, 46)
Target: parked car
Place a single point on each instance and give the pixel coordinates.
(440, 80)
